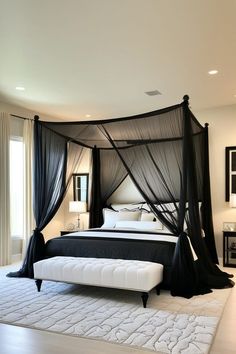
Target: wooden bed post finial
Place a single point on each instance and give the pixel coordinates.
(186, 98)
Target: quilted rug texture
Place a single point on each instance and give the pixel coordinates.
(168, 325)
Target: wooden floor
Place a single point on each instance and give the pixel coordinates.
(225, 339)
(19, 340)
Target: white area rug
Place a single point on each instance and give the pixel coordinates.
(169, 324)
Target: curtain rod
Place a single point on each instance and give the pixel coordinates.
(16, 116)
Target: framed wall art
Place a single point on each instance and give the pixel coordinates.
(230, 171)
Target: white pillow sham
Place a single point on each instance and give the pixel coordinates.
(139, 225)
(110, 217)
(145, 216)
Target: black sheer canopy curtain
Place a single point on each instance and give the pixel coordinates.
(108, 172)
(206, 209)
(50, 163)
(158, 169)
(205, 273)
(152, 158)
(163, 155)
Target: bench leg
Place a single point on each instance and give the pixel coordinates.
(38, 283)
(144, 297)
(158, 289)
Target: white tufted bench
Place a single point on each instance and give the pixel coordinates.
(112, 273)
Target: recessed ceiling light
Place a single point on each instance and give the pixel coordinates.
(88, 115)
(20, 88)
(213, 72)
(153, 93)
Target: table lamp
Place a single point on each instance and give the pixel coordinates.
(232, 201)
(77, 207)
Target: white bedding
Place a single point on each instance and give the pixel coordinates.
(122, 234)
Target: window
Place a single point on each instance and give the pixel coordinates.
(80, 187)
(16, 186)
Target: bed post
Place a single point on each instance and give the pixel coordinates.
(96, 218)
(183, 190)
(206, 209)
(186, 98)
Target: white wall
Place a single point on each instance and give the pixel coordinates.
(222, 133)
(126, 193)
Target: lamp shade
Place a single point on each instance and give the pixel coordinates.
(232, 201)
(77, 207)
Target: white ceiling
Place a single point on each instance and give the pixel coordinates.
(98, 57)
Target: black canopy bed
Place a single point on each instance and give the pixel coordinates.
(165, 153)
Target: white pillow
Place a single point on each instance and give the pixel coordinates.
(110, 217)
(139, 225)
(148, 217)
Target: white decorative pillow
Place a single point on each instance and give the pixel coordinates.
(145, 216)
(139, 225)
(110, 217)
(129, 215)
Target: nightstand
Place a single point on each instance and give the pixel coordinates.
(229, 253)
(65, 232)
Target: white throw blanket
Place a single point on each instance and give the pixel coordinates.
(122, 234)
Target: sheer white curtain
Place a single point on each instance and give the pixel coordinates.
(28, 222)
(5, 234)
